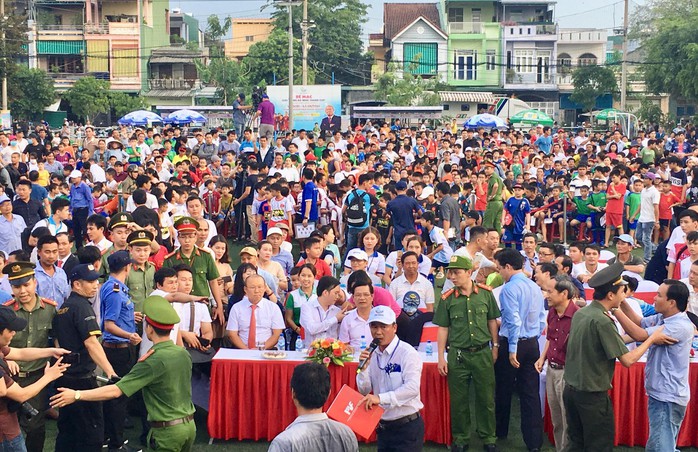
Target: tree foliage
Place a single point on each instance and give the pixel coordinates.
(335, 41)
(88, 97)
(226, 75)
(29, 92)
(122, 103)
(590, 83)
(267, 59)
(401, 88)
(215, 29)
(11, 48)
(649, 112)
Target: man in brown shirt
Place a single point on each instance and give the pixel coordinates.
(561, 291)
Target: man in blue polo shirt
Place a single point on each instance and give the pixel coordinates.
(309, 207)
(402, 210)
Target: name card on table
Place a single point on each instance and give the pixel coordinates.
(345, 409)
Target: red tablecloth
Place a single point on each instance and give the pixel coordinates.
(252, 399)
(630, 407)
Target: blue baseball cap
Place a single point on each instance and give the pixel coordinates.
(118, 260)
(84, 272)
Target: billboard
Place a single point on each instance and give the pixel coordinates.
(309, 102)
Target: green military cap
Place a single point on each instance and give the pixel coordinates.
(609, 275)
(138, 238)
(160, 313)
(460, 262)
(19, 272)
(120, 219)
(186, 224)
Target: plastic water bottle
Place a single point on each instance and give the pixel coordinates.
(694, 344)
(281, 345)
(429, 349)
(363, 343)
(299, 344)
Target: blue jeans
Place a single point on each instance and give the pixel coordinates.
(14, 445)
(644, 234)
(352, 240)
(665, 421)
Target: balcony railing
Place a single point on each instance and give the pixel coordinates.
(97, 29)
(466, 27)
(172, 83)
(114, 28)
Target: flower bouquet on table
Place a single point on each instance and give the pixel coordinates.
(330, 351)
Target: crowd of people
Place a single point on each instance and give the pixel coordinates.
(115, 255)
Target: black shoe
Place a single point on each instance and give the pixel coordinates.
(490, 448)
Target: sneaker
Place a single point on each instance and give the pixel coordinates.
(440, 274)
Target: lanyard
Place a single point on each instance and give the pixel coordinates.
(387, 367)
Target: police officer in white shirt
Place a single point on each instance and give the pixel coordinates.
(392, 379)
(321, 316)
(255, 320)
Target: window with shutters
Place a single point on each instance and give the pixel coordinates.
(490, 61)
(465, 65)
(420, 58)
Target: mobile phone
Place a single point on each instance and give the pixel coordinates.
(227, 279)
(71, 358)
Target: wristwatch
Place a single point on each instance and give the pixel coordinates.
(496, 345)
(77, 395)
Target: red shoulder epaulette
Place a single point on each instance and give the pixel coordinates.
(447, 293)
(171, 254)
(48, 301)
(146, 356)
(484, 286)
(10, 302)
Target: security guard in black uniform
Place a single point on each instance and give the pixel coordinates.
(39, 313)
(119, 339)
(81, 428)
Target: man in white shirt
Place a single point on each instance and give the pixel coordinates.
(692, 284)
(590, 266)
(301, 141)
(392, 379)
(649, 214)
(321, 317)
(582, 180)
(255, 322)
(411, 290)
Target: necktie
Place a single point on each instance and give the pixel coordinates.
(59, 264)
(252, 337)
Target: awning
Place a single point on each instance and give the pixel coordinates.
(169, 93)
(467, 97)
(60, 47)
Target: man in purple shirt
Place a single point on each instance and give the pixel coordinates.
(266, 121)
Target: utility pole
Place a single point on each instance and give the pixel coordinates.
(4, 57)
(624, 63)
(306, 25)
(289, 4)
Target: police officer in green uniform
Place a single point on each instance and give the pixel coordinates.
(141, 278)
(118, 228)
(467, 319)
(38, 312)
(495, 207)
(201, 262)
(592, 349)
(164, 375)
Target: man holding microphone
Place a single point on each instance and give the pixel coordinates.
(392, 379)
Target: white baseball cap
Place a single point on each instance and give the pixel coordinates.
(74, 174)
(382, 314)
(359, 254)
(426, 192)
(274, 230)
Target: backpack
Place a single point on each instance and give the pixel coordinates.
(657, 266)
(356, 210)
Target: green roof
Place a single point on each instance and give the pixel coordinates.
(60, 47)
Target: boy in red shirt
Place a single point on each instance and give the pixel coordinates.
(313, 251)
(667, 200)
(614, 207)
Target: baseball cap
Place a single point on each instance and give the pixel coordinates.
(9, 320)
(84, 272)
(382, 314)
(119, 260)
(249, 250)
(625, 238)
(426, 192)
(4, 198)
(358, 254)
(401, 185)
(75, 174)
(274, 230)
(649, 175)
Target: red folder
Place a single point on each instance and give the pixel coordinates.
(361, 421)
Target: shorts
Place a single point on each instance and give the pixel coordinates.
(438, 264)
(664, 223)
(614, 220)
(582, 218)
(632, 225)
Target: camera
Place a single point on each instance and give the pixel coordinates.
(257, 93)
